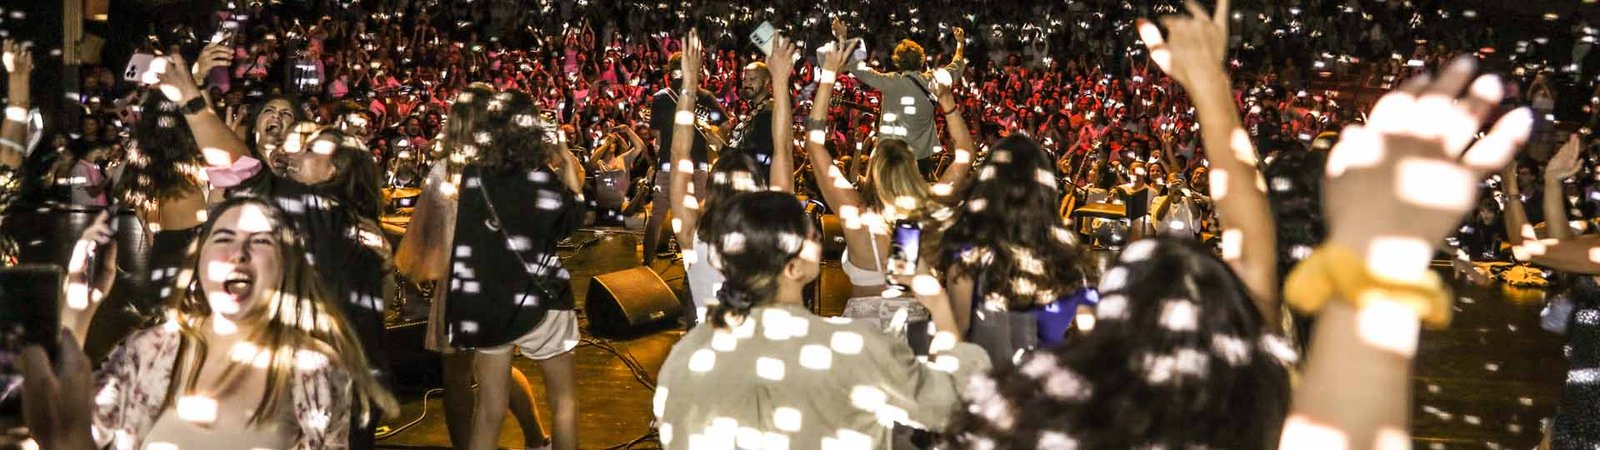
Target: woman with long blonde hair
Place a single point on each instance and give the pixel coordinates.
(252, 351)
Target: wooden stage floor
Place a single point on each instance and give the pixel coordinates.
(1483, 383)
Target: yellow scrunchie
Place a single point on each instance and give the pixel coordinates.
(1336, 272)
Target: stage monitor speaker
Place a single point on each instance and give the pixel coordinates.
(414, 369)
(832, 238)
(831, 290)
(630, 303)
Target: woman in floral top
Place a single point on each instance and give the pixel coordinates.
(250, 354)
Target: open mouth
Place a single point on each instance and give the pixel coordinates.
(239, 284)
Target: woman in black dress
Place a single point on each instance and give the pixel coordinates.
(519, 197)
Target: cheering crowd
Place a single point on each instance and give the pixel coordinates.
(974, 162)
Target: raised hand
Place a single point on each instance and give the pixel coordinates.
(234, 119)
(1194, 45)
(1565, 163)
(213, 56)
(174, 82)
(834, 58)
(86, 285)
(1398, 185)
(781, 62)
(57, 397)
(692, 54)
(17, 57)
(943, 85)
(840, 31)
(960, 35)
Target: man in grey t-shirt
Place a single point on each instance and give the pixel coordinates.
(908, 108)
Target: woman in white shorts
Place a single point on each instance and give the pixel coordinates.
(518, 198)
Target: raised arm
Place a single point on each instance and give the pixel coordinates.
(959, 59)
(837, 189)
(219, 146)
(960, 138)
(14, 127)
(635, 144)
(571, 169)
(685, 206)
(1565, 253)
(780, 64)
(1395, 189)
(1193, 54)
(1561, 167)
(1516, 219)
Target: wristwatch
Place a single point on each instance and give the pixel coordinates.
(194, 106)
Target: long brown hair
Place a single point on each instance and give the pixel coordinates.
(300, 316)
(468, 115)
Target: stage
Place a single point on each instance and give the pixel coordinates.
(1484, 383)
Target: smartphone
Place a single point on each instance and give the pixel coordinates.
(904, 252)
(762, 37)
(225, 33)
(30, 302)
(305, 76)
(139, 68)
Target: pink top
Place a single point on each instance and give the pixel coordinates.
(227, 177)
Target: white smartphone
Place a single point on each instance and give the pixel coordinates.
(143, 68)
(762, 37)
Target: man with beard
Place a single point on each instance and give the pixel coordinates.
(753, 134)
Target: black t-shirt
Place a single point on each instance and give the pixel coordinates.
(664, 106)
(754, 137)
(351, 273)
(494, 297)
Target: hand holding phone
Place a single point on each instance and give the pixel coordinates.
(93, 267)
(905, 248)
(762, 37)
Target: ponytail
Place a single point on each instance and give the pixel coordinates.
(753, 238)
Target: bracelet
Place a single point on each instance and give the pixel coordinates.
(953, 110)
(683, 118)
(816, 124)
(16, 114)
(1336, 272)
(827, 76)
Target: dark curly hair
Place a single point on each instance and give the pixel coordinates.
(1180, 359)
(514, 140)
(164, 163)
(754, 236)
(1008, 231)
